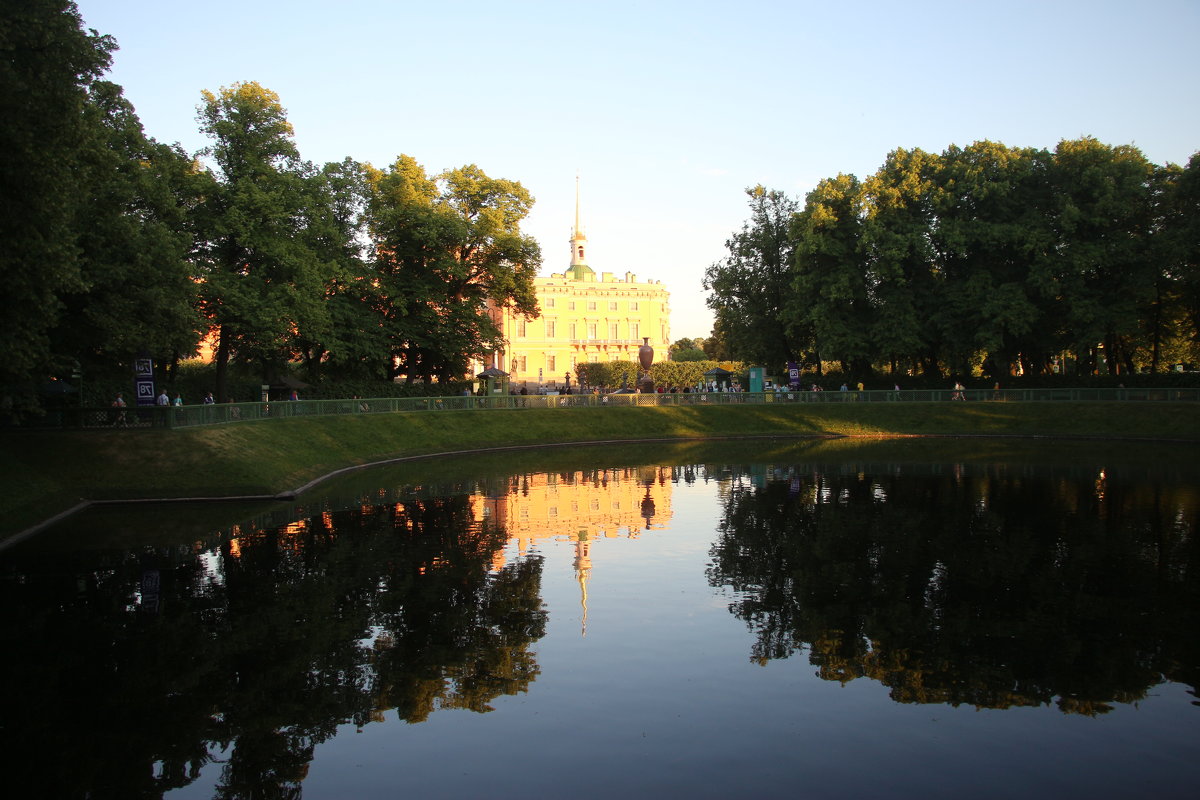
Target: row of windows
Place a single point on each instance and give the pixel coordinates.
(591, 304)
(591, 329)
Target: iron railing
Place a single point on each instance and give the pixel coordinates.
(222, 413)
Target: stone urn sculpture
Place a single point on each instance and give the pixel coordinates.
(645, 359)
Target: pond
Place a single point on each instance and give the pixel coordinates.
(813, 619)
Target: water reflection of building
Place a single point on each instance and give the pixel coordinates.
(580, 507)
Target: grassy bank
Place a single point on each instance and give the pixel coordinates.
(45, 473)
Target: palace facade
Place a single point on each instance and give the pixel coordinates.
(585, 318)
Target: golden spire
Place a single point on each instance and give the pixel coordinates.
(578, 239)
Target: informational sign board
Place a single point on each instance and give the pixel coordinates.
(143, 381)
(793, 375)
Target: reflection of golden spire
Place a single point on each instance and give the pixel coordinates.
(583, 566)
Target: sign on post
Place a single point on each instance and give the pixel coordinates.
(143, 381)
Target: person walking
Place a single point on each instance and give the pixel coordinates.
(119, 414)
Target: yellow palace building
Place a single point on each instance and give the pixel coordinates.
(585, 318)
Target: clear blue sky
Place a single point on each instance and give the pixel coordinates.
(667, 110)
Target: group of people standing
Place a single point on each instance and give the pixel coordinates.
(164, 400)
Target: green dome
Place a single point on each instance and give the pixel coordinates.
(578, 272)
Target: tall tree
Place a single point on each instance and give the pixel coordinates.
(262, 281)
(832, 297)
(902, 261)
(1173, 321)
(1103, 218)
(136, 206)
(447, 249)
(1001, 294)
(347, 334)
(48, 62)
(750, 287)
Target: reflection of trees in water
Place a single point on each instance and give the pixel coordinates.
(260, 648)
(986, 589)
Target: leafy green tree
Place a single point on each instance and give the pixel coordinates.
(1000, 295)
(1173, 319)
(262, 281)
(685, 344)
(830, 291)
(447, 251)
(48, 64)
(136, 212)
(749, 288)
(687, 350)
(901, 260)
(715, 346)
(1103, 217)
(346, 337)
(689, 355)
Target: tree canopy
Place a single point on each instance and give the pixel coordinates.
(983, 259)
(447, 250)
(749, 288)
(48, 64)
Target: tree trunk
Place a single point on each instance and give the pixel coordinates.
(1156, 329)
(312, 363)
(1110, 356)
(222, 361)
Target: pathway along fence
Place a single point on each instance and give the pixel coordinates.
(222, 413)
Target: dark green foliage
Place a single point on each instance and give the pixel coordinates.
(984, 260)
(448, 249)
(47, 64)
(263, 281)
(135, 241)
(750, 288)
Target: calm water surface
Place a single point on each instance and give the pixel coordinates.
(814, 620)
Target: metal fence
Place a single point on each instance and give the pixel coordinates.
(194, 416)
